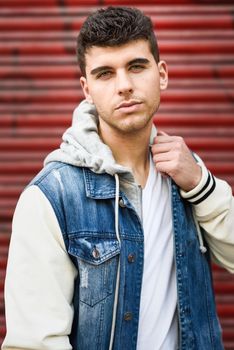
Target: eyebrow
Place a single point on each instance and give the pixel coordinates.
(139, 60)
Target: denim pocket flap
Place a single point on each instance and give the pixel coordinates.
(93, 250)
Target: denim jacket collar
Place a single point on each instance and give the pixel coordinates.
(99, 186)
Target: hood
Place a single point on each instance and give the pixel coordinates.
(81, 145)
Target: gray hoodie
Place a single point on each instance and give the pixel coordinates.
(83, 147)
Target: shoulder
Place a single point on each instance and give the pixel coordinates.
(55, 170)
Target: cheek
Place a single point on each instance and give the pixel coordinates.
(154, 83)
(102, 96)
(153, 92)
(101, 103)
(151, 83)
(154, 87)
(99, 93)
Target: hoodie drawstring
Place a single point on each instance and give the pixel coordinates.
(117, 207)
(118, 268)
(202, 248)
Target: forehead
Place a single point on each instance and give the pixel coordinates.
(117, 55)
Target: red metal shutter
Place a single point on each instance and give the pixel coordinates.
(39, 88)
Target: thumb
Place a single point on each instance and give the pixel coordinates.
(162, 133)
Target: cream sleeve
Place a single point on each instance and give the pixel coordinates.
(213, 205)
(39, 279)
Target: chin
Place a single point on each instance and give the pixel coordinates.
(134, 126)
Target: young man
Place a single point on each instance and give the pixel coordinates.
(111, 241)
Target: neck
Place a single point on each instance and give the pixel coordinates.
(130, 150)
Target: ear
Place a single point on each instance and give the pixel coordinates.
(85, 88)
(163, 74)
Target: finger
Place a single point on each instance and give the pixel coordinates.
(165, 138)
(161, 147)
(164, 157)
(166, 167)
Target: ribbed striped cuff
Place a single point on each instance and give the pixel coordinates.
(203, 190)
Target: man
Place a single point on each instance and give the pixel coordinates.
(111, 241)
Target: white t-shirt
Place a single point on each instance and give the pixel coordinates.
(158, 321)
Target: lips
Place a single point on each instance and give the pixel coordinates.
(127, 104)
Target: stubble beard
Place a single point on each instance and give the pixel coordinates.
(124, 125)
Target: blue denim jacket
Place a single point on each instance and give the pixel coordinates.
(84, 203)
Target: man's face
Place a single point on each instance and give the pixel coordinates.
(124, 83)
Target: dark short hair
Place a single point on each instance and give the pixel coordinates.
(114, 26)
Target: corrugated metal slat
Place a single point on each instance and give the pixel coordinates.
(39, 88)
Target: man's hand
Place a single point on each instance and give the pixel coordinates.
(173, 158)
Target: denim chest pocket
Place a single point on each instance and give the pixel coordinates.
(97, 260)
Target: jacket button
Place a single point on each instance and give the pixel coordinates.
(121, 203)
(128, 316)
(131, 258)
(95, 253)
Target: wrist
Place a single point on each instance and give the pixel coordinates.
(203, 189)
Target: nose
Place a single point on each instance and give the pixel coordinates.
(124, 84)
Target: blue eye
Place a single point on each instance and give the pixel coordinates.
(104, 75)
(137, 68)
